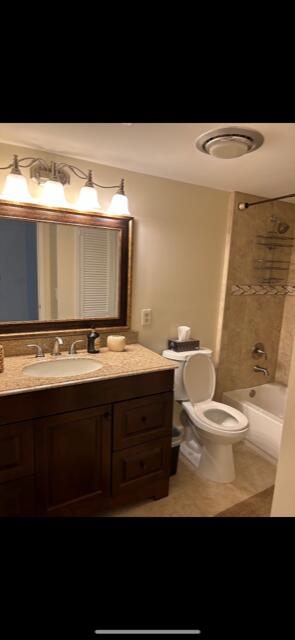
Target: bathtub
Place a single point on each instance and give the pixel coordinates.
(265, 411)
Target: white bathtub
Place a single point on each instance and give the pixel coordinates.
(265, 412)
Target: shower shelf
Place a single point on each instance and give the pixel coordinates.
(271, 268)
(270, 280)
(272, 261)
(272, 237)
(274, 246)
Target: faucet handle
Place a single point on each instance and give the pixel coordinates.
(258, 351)
(39, 352)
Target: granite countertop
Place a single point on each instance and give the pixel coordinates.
(134, 360)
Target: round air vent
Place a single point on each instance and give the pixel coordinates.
(229, 142)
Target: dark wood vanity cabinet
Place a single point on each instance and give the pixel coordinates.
(73, 461)
(83, 449)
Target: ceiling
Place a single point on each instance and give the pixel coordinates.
(168, 150)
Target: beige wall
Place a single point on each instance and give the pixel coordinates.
(248, 319)
(284, 494)
(178, 247)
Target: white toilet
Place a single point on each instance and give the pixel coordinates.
(212, 427)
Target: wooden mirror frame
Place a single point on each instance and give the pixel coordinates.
(40, 213)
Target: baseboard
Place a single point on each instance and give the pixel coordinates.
(260, 452)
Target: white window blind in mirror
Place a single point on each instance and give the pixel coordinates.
(98, 264)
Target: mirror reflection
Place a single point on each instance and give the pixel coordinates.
(52, 271)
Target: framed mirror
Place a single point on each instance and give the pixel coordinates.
(61, 269)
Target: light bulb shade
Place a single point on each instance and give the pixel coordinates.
(16, 188)
(53, 194)
(88, 199)
(119, 204)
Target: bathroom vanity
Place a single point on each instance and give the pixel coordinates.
(73, 447)
(76, 442)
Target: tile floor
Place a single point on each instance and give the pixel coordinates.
(191, 495)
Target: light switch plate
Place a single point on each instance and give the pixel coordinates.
(146, 316)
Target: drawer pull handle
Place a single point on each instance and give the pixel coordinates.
(143, 419)
(142, 464)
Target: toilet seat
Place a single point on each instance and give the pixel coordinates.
(216, 417)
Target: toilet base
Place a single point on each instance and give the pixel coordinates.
(217, 462)
(214, 462)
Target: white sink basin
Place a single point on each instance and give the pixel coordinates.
(61, 367)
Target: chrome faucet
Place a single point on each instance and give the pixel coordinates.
(261, 370)
(57, 342)
(39, 352)
(72, 348)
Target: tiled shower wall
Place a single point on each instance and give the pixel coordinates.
(251, 310)
(287, 330)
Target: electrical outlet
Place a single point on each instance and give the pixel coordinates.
(146, 316)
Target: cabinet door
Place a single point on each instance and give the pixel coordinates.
(17, 497)
(73, 461)
(16, 451)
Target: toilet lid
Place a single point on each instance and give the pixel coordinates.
(199, 378)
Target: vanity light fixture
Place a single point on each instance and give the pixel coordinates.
(52, 176)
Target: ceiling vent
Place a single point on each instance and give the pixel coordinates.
(229, 142)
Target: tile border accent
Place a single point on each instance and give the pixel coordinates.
(263, 289)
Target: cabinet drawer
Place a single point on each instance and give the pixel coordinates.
(139, 465)
(138, 421)
(17, 498)
(16, 451)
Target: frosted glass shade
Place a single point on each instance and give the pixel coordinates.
(119, 204)
(53, 194)
(228, 147)
(88, 199)
(16, 188)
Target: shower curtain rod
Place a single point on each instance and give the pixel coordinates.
(246, 205)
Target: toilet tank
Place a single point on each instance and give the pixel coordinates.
(179, 358)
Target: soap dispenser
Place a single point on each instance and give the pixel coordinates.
(93, 341)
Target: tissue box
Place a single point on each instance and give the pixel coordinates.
(183, 345)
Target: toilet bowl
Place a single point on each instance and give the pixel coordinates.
(213, 427)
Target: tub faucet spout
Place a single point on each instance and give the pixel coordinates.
(261, 370)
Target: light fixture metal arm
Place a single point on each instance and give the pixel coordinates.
(77, 170)
(113, 186)
(8, 166)
(32, 161)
